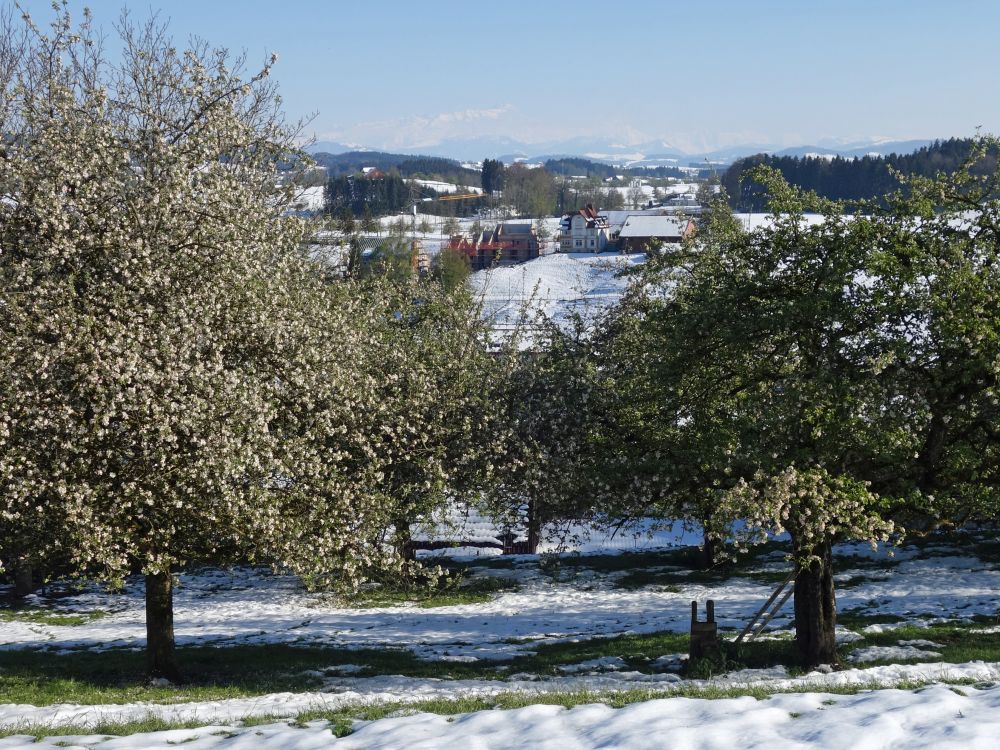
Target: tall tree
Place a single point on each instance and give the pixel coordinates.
(748, 397)
(492, 176)
(824, 379)
(437, 426)
(153, 316)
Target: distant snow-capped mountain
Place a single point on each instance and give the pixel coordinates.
(611, 151)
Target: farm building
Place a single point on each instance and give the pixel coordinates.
(644, 233)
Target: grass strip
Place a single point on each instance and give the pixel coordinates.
(342, 721)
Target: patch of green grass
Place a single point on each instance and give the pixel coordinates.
(669, 581)
(109, 729)
(452, 592)
(86, 677)
(762, 654)
(635, 649)
(984, 544)
(495, 562)
(993, 619)
(958, 644)
(681, 557)
(987, 550)
(682, 560)
(674, 579)
(119, 676)
(42, 616)
(851, 562)
(341, 720)
(857, 618)
(853, 582)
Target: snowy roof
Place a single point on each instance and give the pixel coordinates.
(618, 217)
(653, 226)
(516, 228)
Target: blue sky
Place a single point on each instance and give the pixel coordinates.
(699, 74)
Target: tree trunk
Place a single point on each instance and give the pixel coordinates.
(707, 552)
(816, 609)
(404, 540)
(161, 658)
(24, 578)
(534, 528)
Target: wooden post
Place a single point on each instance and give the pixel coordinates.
(704, 635)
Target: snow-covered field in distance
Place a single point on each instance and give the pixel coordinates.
(556, 285)
(444, 187)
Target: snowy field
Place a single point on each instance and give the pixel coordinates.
(309, 199)
(598, 623)
(445, 187)
(557, 285)
(935, 718)
(651, 193)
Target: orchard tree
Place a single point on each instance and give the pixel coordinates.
(550, 468)
(816, 509)
(668, 444)
(938, 260)
(751, 384)
(153, 318)
(436, 426)
(828, 379)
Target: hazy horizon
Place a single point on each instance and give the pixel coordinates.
(400, 76)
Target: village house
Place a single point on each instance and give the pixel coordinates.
(584, 232)
(505, 244)
(644, 233)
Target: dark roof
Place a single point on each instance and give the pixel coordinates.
(516, 228)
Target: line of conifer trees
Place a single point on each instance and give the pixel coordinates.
(849, 179)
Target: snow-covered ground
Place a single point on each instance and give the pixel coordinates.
(396, 689)
(751, 221)
(309, 199)
(935, 718)
(579, 601)
(649, 192)
(445, 187)
(248, 606)
(557, 285)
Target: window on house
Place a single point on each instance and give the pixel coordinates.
(579, 243)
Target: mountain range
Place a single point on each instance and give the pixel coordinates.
(648, 153)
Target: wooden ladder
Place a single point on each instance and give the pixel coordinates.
(773, 611)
